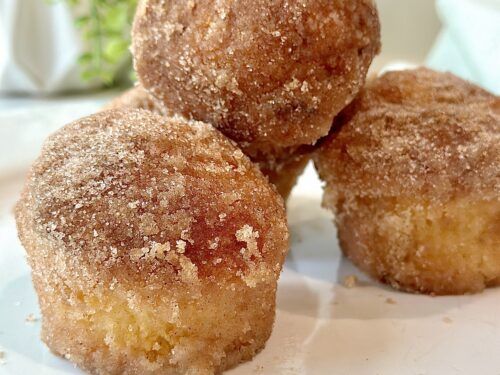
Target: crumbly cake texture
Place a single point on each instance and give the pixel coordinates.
(282, 170)
(271, 75)
(284, 173)
(138, 98)
(155, 245)
(412, 172)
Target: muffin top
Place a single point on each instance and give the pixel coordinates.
(149, 198)
(416, 132)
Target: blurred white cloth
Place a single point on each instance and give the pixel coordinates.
(39, 48)
(25, 123)
(469, 44)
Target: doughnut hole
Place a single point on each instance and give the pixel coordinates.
(411, 170)
(268, 74)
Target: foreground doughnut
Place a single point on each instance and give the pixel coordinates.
(412, 173)
(155, 246)
(282, 171)
(269, 75)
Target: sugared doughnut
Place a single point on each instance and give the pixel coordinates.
(155, 245)
(412, 172)
(271, 75)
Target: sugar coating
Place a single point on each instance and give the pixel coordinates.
(412, 171)
(118, 216)
(271, 75)
(282, 169)
(138, 98)
(416, 132)
(425, 88)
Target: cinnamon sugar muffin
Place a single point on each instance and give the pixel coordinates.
(412, 172)
(155, 245)
(270, 75)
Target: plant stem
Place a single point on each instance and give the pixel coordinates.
(98, 45)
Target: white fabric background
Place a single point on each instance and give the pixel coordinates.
(39, 48)
(469, 44)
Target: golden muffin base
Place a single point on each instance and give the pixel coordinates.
(433, 248)
(108, 329)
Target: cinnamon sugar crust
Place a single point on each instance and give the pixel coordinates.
(416, 132)
(268, 74)
(282, 169)
(137, 98)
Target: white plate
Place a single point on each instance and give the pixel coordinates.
(321, 326)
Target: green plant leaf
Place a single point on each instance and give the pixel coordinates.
(115, 50)
(105, 26)
(82, 21)
(85, 58)
(115, 19)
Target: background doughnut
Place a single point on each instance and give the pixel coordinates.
(412, 172)
(137, 98)
(271, 75)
